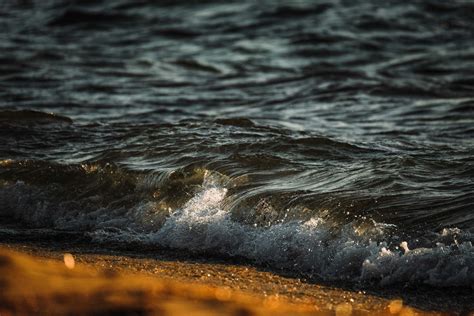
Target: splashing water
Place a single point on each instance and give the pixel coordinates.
(311, 247)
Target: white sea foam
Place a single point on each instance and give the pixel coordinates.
(203, 225)
(313, 246)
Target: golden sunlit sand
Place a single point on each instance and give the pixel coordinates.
(95, 285)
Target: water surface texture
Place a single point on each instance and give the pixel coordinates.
(329, 138)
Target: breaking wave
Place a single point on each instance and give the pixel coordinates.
(366, 252)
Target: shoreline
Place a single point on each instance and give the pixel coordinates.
(266, 290)
(131, 288)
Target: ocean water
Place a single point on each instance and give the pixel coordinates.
(328, 138)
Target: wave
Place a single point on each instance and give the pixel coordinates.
(89, 18)
(32, 117)
(356, 253)
(200, 221)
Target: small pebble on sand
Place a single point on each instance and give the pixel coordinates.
(69, 261)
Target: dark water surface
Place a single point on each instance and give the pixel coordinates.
(334, 138)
